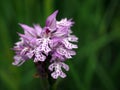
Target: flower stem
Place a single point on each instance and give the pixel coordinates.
(52, 83)
(45, 84)
(48, 84)
(47, 81)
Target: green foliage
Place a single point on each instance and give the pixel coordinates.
(97, 24)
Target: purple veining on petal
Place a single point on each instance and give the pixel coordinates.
(51, 21)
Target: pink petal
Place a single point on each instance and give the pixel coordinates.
(18, 60)
(51, 67)
(24, 36)
(72, 38)
(68, 44)
(39, 57)
(61, 51)
(30, 54)
(51, 20)
(38, 30)
(54, 75)
(62, 74)
(28, 30)
(65, 66)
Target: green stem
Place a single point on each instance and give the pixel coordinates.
(52, 82)
(44, 84)
(47, 81)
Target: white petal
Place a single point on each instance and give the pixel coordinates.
(51, 67)
(65, 66)
(30, 54)
(18, 60)
(68, 44)
(72, 38)
(62, 74)
(39, 57)
(24, 51)
(54, 75)
(61, 51)
(44, 46)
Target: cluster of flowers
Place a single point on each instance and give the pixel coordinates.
(54, 39)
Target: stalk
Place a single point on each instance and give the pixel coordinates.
(47, 81)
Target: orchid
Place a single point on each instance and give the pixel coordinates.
(54, 40)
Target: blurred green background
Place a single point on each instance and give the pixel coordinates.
(97, 24)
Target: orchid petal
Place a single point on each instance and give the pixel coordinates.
(38, 30)
(28, 30)
(51, 21)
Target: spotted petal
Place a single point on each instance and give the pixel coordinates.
(57, 69)
(64, 52)
(65, 66)
(68, 44)
(39, 57)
